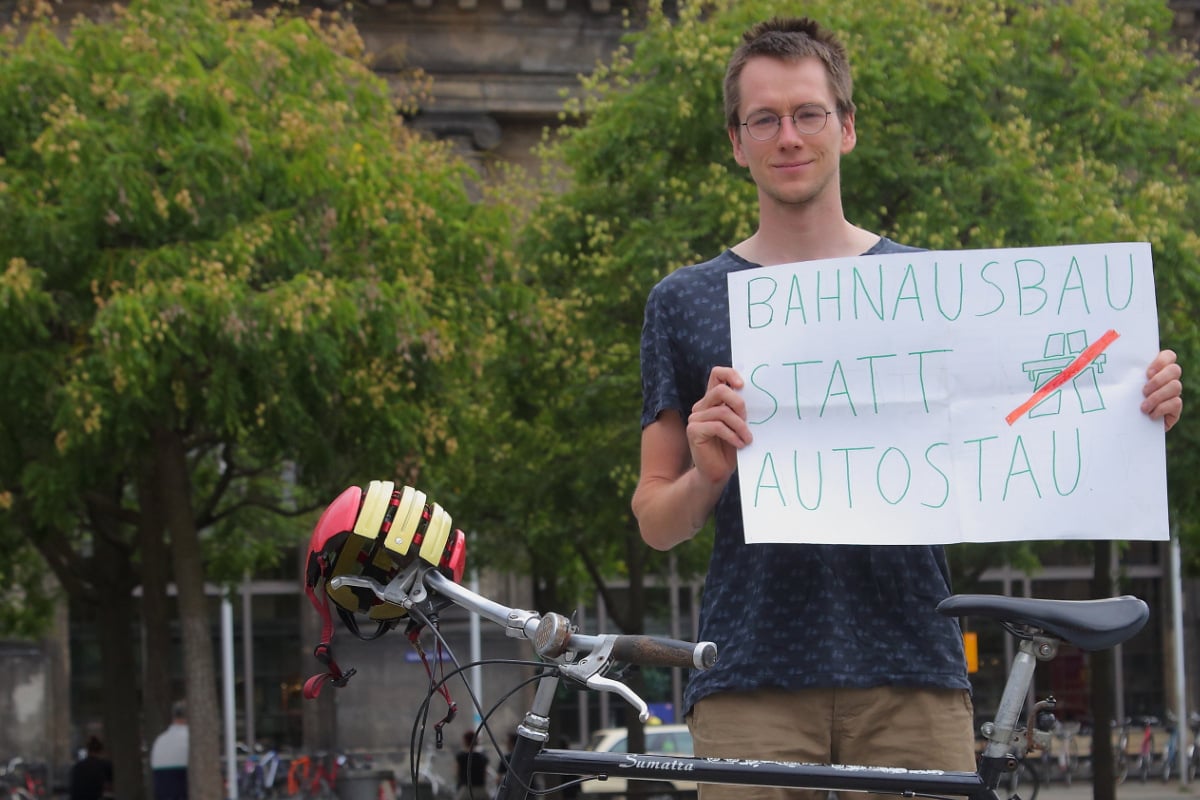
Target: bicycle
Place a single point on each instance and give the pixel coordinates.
(1041, 626)
(20, 780)
(1062, 761)
(257, 778)
(1145, 761)
(1121, 751)
(1194, 748)
(1171, 753)
(313, 777)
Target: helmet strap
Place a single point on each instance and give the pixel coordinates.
(324, 650)
(414, 637)
(382, 627)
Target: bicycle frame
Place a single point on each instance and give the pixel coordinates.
(1040, 625)
(528, 758)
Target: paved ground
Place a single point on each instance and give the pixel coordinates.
(1129, 790)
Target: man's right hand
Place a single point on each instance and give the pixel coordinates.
(717, 427)
(685, 468)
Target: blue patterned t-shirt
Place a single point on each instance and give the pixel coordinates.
(792, 616)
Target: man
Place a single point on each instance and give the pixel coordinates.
(472, 770)
(169, 757)
(91, 776)
(829, 653)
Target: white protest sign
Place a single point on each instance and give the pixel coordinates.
(939, 397)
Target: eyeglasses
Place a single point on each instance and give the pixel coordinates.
(809, 118)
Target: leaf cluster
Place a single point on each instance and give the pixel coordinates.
(217, 224)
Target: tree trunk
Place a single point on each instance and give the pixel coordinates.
(115, 615)
(104, 581)
(1103, 783)
(111, 594)
(204, 752)
(156, 617)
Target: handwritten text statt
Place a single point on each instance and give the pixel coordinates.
(950, 396)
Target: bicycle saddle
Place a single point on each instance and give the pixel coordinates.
(1087, 624)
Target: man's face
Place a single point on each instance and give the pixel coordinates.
(791, 168)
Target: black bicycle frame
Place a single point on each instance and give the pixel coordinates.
(529, 758)
(1040, 625)
(742, 772)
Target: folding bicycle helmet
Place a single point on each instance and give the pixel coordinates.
(373, 533)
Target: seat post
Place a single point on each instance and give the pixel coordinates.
(1000, 733)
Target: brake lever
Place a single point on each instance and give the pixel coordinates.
(396, 592)
(589, 671)
(358, 582)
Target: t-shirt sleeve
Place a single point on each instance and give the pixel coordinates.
(660, 388)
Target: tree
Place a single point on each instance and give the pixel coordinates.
(223, 255)
(980, 124)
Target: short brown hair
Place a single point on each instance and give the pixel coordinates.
(790, 39)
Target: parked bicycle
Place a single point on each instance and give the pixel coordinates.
(423, 590)
(1171, 751)
(1194, 746)
(1145, 760)
(1062, 758)
(21, 780)
(1121, 750)
(257, 779)
(313, 777)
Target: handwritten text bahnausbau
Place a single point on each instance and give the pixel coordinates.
(947, 291)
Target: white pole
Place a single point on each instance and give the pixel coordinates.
(248, 661)
(476, 653)
(1181, 759)
(231, 773)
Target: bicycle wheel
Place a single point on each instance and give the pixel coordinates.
(1120, 767)
(1071, 768)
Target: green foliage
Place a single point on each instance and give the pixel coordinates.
(217, 224)
(27, 597)
(980, 124)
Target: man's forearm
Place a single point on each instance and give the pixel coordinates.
(673, 511)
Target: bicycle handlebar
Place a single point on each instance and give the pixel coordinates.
(657, 651)
(551, 635)
(581, 657)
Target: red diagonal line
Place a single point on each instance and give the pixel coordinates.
(1077, 366)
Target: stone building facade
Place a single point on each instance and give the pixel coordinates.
(499, 68)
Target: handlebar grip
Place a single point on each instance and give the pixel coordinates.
(658, 651)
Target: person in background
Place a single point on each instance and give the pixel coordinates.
(502, 767)
(472, 770)
(169, 757)
(91, 776)
(829, 653)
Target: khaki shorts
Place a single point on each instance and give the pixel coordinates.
(879, 727)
